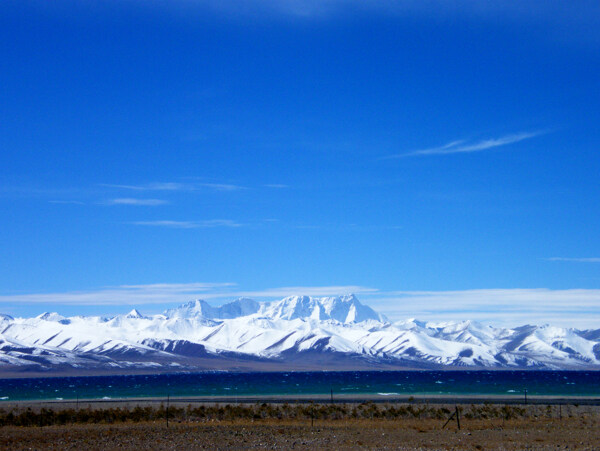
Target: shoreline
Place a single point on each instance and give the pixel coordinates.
(57, 373)
(305, 399)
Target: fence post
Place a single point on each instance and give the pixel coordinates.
(560, 412)
(167, 415)
(457, 417)
(449, 419)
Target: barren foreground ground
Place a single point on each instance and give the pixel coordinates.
(540, 433)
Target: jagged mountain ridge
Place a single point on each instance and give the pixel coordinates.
(332, 331)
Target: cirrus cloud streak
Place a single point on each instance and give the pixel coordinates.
(512, 307)
(136, 202)
(574, 259)
(464, 146)
(209, 223)
(169, 293)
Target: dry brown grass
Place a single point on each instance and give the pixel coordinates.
(580, 432)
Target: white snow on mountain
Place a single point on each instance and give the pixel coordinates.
(201, 309)
(339, 329)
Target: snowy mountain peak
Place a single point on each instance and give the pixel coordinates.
(192, 309)
(344, 309)
(330, 329)
(51, 316)
(5, 320)
(239, 307)
(202, 309)
(293, 307)
(135, 313)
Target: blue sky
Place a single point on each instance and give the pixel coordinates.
(210, 149)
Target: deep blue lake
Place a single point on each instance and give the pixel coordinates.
(402, 383)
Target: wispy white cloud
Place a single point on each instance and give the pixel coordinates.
(281, 292)
(161, 186)
(170, 293)
(572, 307)
(190, 224)
(574, 259)
(134, 201)
(464, 146)
(158, 293)
(176, 186)
(222, 186)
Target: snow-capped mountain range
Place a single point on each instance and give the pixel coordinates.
(297, 332)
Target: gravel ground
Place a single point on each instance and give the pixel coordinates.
(570, 433)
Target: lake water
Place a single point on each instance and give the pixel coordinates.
(387, 383)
